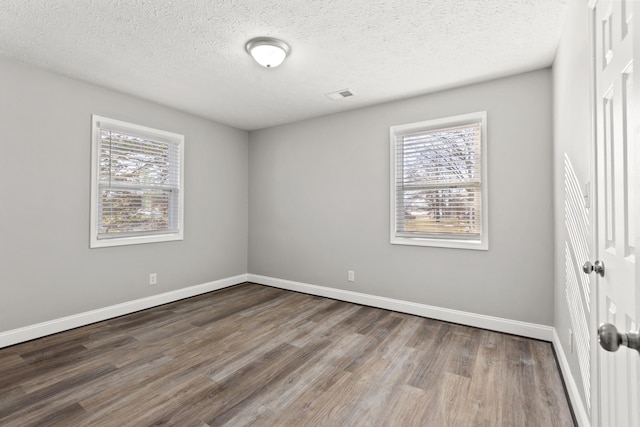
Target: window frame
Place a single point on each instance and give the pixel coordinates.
(145, 132)
(398, 131)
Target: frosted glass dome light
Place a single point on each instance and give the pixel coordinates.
(267, 51)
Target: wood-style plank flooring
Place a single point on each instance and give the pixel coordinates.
(255, 355)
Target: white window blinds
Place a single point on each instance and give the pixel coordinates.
(438, 181)
(138, 184)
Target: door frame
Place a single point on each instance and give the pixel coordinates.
(594, 362)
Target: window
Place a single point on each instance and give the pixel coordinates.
(438, 183)
(136, 184)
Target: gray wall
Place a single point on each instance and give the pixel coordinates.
(319, 197)
(319, 204)
(572, 140)
(46, 267)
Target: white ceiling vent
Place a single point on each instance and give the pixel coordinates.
(343, 93)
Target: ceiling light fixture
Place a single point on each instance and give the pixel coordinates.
(267, 51)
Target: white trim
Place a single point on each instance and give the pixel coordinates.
(595, 290)
(579, 410)
(441, 243)
(144, 132)
(477, 244)
(39, 330)
(530, 330)
(516, 327)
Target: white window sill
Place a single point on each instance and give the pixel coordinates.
(135, 240)
(480, 245)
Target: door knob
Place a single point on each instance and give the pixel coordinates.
(610, 339)
(598, 267)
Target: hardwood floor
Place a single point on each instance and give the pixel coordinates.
(255, 355)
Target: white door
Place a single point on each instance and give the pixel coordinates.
(616, 108)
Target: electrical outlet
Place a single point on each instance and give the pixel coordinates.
(570, 341)
(351, 276)
(153, 279)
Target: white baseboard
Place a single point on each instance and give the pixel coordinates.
(530, 330)
(39, 330)
(582, 416)
(515, 327)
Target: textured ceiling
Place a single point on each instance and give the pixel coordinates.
(189, 54)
